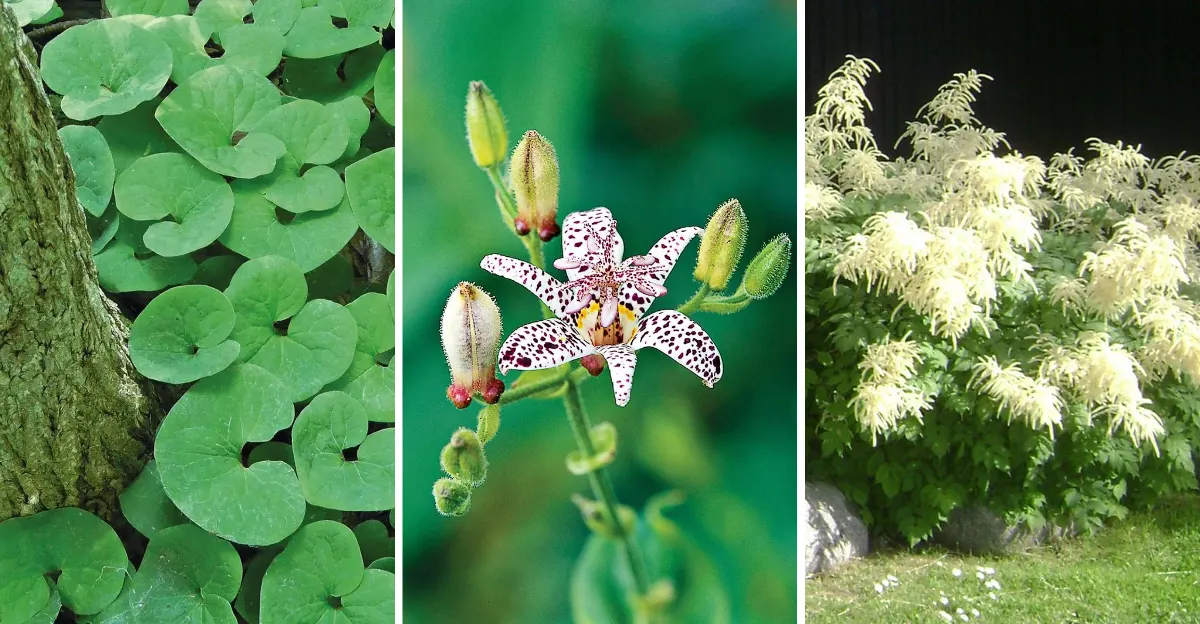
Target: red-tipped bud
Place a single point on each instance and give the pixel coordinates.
(459, 396)
(470, 338)
(533, 170)
(491, 394)
(520, 226)
(549, 230)
(593, 363)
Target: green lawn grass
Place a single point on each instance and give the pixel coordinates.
(1145, 568)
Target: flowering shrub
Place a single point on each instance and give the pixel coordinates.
(987, 326)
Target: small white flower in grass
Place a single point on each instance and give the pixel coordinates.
(945, 600)
(893, 579)
(975, 612)
(992, 584)
(945, 616)
(956, 572)
(992, 595)
(878, 588)
(963, 617)
(980, 575)
(938, 564)
(599, 311)
(959, 611)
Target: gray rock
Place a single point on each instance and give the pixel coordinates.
(833, 532)
(976, 530)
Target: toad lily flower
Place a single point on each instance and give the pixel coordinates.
(599, 309)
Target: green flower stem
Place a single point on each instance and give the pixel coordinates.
(602, 486)
(507, 203)
(509, 207)
(693, 304)
(527, 390)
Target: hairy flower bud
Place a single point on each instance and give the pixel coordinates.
(486, 133)
(766, 271)
(452, 498)
(470, 338)
(534, 173)
(722, 245)
(463, 457)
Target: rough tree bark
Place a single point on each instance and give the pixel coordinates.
(76, 420)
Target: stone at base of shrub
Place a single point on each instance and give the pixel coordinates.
(833, 532)
(976, 530)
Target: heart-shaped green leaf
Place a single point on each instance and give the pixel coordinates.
(374, 541)
(146, 505)
(92, 162)
(317, 345)
(83, 547)
(333, 78)
(320, 577)
(103, 228)
(332, 423)
(371, 188)
(183, 335)
(126, 265)
(385, 87)
(187, 576)
(135, 134)
(319, 189)
(158, 8)
(213, 117)
(309, 239)
(54, 13)
(248, 597)
(197, 203)
(278, 15)
(199, 449)
(313, 133)
(369, 381)
(254, 48)
(26, 11)
(217, 271)
(126, 65)
(215, 16)
(376, 13)
(357, 117)
(314, 36)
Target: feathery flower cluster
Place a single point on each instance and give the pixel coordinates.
(885, 394)
(1035, 401)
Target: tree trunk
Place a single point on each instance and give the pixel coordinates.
(76, 420)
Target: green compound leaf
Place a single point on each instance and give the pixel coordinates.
(187, 576)
(135, 134)
(126, 265)
(371, 188)
(92, 162)
(126, 65)
(213, 115)
(371, 383)
(374, 541)
(199, 448)
(376, 13)
(196, 202)
(333, 78)
(317, 345)
(308, 239)
(215, 16)
(385, 88)
(314, 36)
(321, 562)
(146, 505)
(278, 15)
(158, 8)
(217, 271)
(83, 547)
(183, 335)
(334, 422)
(28, 11)
(312, 133)
(254, 48)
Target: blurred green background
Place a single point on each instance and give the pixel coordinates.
(659, 111)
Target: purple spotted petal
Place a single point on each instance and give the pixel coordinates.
(542, 344)
(666, 253)
(621, 360)
(681, 338)
(545, 286)
(583, 234)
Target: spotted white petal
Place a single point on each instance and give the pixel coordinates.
(621, 361)
(583, 234)
(666, 253)
(540, 283)
(681, 338)
(542, 344)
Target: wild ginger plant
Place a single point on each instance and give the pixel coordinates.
(989, 327)
(636, 567)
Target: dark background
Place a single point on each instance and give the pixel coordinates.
(1064, 71)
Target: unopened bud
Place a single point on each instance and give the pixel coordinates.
(489, 423)
(593, 363)
(766, 271)
(722, 245)
(451, 497)
(470, 338)
(534, 173)
(463, 457)
(486, 133)
(597, 519)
